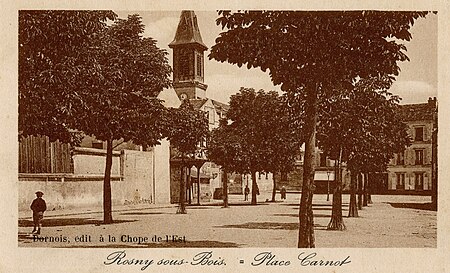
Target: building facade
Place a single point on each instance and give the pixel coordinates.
(412, 170)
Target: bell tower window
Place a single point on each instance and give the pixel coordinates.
(184, 64)
(199, 65)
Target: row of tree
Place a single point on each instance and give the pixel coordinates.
(314, 56)
(262, 131)
(90, 73)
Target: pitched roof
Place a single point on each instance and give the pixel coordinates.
(188, 31)
(197, 103)
(419, 111)
(169, 97)
(220, 107)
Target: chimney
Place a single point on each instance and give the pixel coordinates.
(432, 102)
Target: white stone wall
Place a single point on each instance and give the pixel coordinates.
(65, 192)
(162, 172)
(93, 161)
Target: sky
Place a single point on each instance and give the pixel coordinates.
(415, 84)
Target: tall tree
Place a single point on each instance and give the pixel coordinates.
(188, 128)
(310, 53)
(225, 149)
(259, 137)
(361, 126)
(123, 72)
(106, 86)
(284, 139)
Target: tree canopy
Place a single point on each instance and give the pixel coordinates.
(122, 73)
(311, 53)
(308, 47)
(363, 126)
(49, 47)
(257, 134)
(188, 128)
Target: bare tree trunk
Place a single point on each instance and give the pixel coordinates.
(182, 206)
(365, 191)
(369, 189)
(198, 185)
(225, 189)
(306, 228)
(360, 190)
(189, 185)
(274, 190)
(107, 202)
(352, 208)
(337, 222)
(254, 187)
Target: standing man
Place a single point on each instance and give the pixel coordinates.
(283, 192)
(246, 192)
(38, 206)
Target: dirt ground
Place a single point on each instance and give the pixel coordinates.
(390, 222)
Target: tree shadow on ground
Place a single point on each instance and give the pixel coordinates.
(59, 222)
(296, 215)
(314, 205)
(199, 207)
(269, 225)
(421, 206)
(325, 208)
(140, 213)
(208, 206)
(187, 244)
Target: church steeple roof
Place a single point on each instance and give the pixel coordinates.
(188, 31)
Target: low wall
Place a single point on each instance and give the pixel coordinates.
(136, 177)
(66, 191)
(92, 161)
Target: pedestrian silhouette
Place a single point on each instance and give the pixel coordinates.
(38, 206)
(246, 192)
(283, 192)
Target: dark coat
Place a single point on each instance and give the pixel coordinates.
(283, 193)
(38, 205)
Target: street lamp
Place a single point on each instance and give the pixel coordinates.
(328, 185)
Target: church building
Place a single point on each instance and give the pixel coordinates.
(189, 83)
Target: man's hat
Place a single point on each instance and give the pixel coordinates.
(39, 193)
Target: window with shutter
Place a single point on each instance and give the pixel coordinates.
(418, 181)
(418, 134)
(419, 157)
(400, 181)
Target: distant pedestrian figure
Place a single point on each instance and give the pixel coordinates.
(257, 190)
(283, 192)
(246, 192)
(38, 206)
(137, 197)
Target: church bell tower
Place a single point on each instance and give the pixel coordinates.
(188, 58)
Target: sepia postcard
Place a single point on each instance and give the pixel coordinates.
(225, 137)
